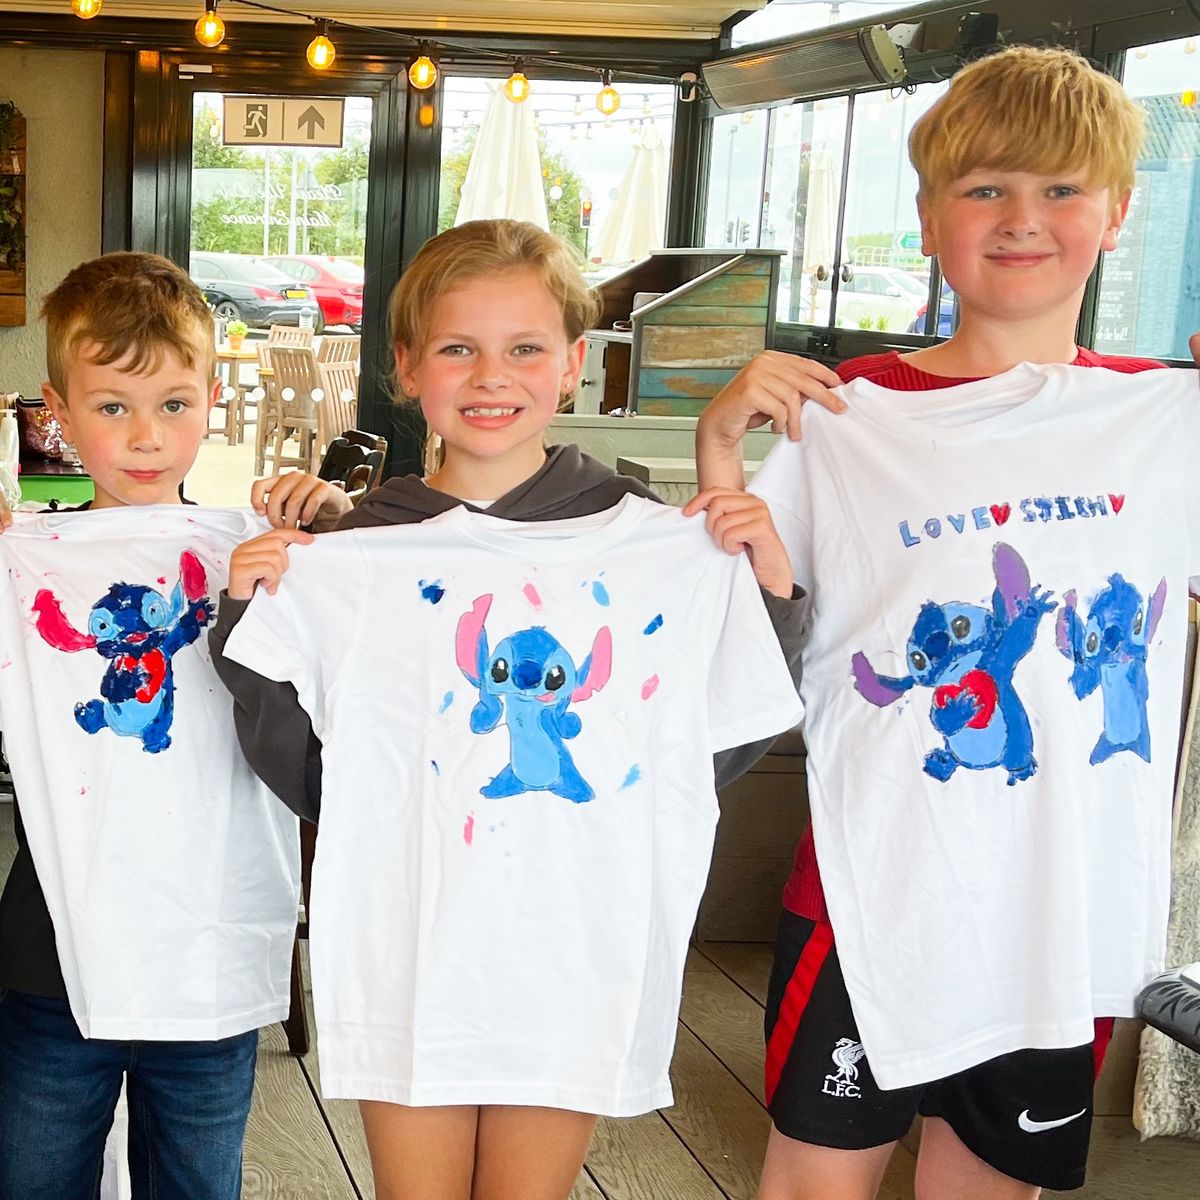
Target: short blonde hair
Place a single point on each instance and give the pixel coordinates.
(481, 248)
(1028, 109)
(127, 304)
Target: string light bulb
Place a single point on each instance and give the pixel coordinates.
(516, 86)
(608, 99)
(86, 9)
(210, 29)
(1188, 99)
(423, 73)
(321, 52)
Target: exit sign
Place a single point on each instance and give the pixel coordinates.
(282, 121)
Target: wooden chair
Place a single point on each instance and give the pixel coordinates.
(338, 407)
(295, 412)
(340, 348)
(290, 335)
(229, 400)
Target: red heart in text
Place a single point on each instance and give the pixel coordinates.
(1118, 502)
(1001, 513)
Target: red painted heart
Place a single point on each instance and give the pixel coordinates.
(1001, 513)
(981, 687)
(1118, 502)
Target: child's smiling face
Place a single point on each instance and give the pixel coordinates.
(137, 434)
(1019, 245)
(494, 367)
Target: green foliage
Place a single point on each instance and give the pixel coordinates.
(12, 210)
(237, 329)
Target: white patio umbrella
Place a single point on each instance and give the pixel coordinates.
(820, 221)
(504, 178)
(634, 225)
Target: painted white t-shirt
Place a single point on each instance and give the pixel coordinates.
(518, 722)
(170, 871)
(993, 685)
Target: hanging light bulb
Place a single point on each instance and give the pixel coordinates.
(608, 99)
(423, 73)
(1140, 52)
(1188, 99)
(516, 86)
(588, 134)
(210, 29)
(321, 52)
(646, 109)
(579, 106)
(86, 9)
(1189, 47)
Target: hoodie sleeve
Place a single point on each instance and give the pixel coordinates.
(274, 731)
(789, 619)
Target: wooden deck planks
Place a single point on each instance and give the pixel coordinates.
(641, 1158)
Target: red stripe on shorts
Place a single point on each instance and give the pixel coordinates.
(1104, 1032)
(795, 1001)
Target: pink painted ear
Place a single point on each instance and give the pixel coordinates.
(192, 576)
(597, 668)
(54, 627)
(470, 637)
(1157, 603)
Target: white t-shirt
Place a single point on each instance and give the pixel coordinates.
(170, 872)
(999, 576)
(518, 722)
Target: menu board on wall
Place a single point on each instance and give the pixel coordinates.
(12, 215)
(1121, 277)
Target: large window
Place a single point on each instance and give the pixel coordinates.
(775, 180)
(1149, 299)
(598, 181)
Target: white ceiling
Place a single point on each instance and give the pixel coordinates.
(589, 18)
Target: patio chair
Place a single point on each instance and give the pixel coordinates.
(338, 409)
(290, 335)
(294, 412)
(340, 348)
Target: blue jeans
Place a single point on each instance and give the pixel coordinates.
(188, 1104)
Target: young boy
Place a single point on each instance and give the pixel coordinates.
(1025, 169)
(170, 873)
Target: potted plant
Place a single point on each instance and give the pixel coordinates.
(235, 331)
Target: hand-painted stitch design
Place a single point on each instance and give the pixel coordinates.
(967, 654)
(1109, 651)
(139, 630)
(529, 682)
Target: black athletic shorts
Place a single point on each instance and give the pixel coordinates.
(1027, 1114)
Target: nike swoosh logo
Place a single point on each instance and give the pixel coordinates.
(1028, 1124)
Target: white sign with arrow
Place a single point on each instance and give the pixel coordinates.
(282, 121)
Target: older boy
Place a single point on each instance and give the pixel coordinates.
(173, 899)
(1025, 170)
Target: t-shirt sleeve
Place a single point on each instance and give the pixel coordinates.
(782, 482)
(284, 637)
(751, 695)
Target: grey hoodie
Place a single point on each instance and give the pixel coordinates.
(275, 733)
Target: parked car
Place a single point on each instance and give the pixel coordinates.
(880, 298)
(337, 283)
(945, 319)
(239, 287)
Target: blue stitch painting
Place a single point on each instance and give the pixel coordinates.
(1109, 648)
(968, 654)
(529, 682)
(139, 630)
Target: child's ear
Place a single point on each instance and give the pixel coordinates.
(928, 247)
(406, 360)
(214, 392)
(1116, 218)
(58, 409)
(575, 355)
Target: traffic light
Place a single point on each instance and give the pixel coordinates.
(585, 214)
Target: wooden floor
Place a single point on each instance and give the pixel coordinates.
(708, 1146)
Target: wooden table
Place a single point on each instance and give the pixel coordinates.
(232, 361)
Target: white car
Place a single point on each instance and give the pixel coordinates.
(884, 299)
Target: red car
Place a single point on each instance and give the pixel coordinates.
(336, 283)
